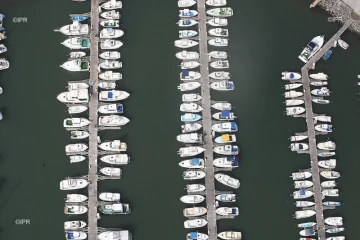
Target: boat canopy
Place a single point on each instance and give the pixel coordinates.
(186, 22)
(225, 137)
(110, 94)
(185, 73)
(312, 45)
(193, 235)
(302, 192)
(195, 161)
(225, 114)
(233, 210)
(233, 126)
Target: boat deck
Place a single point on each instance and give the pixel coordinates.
(311, 129)
(206, 121)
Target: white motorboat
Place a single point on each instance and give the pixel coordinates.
(224, 85)
(193, 175)
(330, 192)
(113, 95)
(307, 232)
(74, 96)
(191, 97)
(226, 197)
(227, 211)
(110, 44)
(115, 235)
(189, 138)
(293, 102)
(75, 159)
(185, 43)
(216, 3)
(334, 221)
(220, 64)
(329, 145)
(328, 184)
(190, 151)
(219, 32)
(226, 127)
(304, 204)
(290, 111)
(220, 75)
(322, 118)
(196, 236)
(75, 29)
(227, 180)
(187, 33)
(108, 33)
(195, 163)
(331, 163)
(187, 23)
(292, 86)
(336, 238)
(293, 94)
(110, 23)
(194, 211)
(301, 194)
(304, 214)
(185, 13)
(112, 4)
(192, 199)
(111, 108)
(76, 54)
(218, 22)
(330, 174)
(301, 175)
(194, 188)
(75, 148)
(75, 122)
(343, 44)
(76, 65)
(218, 54)
(324, 91)
(319, 76)
(298, 138)
(290, 76)
(225, 115)
(116, 159)
(335, 230)
(110, 171)
(107, 85)
(323, 128)
(113, 146)
(109, 197)
(299, 147)
(75, 235)
(113, 121)
(190, 107)
(306, 225)
(229, 235)
(325, 153)
(189, 64)
(110, 76)
(111, 15)
(73, 184)
(110, 64)
(75, 209)
(219, 42)
(185, 55)
(77, 43)
(226, 162)
(320, 101)
(186, 3)
(110, 55)
(73, 225)
(2, 48)
(312, 48)
(303, 184)
(226, 138)
(77, 85)
(79, 134)
(227, 150)
(190, 127)
(188, 86)
(75, 198)
(195, 223)
(77, 109)
(318, 83)
(222, 106)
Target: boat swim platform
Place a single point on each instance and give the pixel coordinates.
(311, 129)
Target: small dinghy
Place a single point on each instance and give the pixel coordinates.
(301, 194)
(306, 225)
(298, 138)
(185, 43)
(116, 159)
(75, 159)
(110, 64)
(319, 83)
(226, 162)
(334, 221)
(307, 232)
(111, 108)
(227, 211)
(110, 171)
(110, 44)
(77, 109)
(190, 117)
(76, 86)
(75, 235)
(323, 128)
(75, 209)
(221, 64)
(324, 91)
(75, 148)
(113, 95)
(113, 146)
(190, 151)
(293, 102)
(113, 121)
(195, 163)
(107, 85)
(226, 197)
(290, 111)
(227, 180)
(187, 23)
(195, 223)
(192, 199)
(226, 127)
(303, 184)
(73, 225)
(189, 138)
(293, 94)
(112, 209)
(299, 147)
(322, 118)
(224, 115)
(189, 75)
(111, 15)
(75, 122)
(110, 55)
(186, 3)
(76, 54)
(326, 154)
(112, 4)
(184, 13)
(190, 107)
(110, 76)
(292, 86)
(189, 64)
(220, 75)
(188, 86)
(196, 236)
(190, 127)
(76, 65)
(335, 230)
(79, 134)
(220, 12)
(227, 150)
(219, 32)
(329, 145)
(73, 184)
(343, 44)
(194, 212)
(230, 235)
(194, 188)
(222, 106)
(2, 48)
(218, 54)
(321, 101)
(218, 22)
(109, 197)
(224, 85)
(328, 184)
(110, 23)
(331, 163)
(290, 76)
(330, 174)
(330, 192)
(304, 204)
(304, 214)
(191, 97)
(218, 42)
(226, 138)
(75, 198)
(185, 55)
(187, 33)
(193, 175)
(319, 76)
(216, 3)
(301, 175)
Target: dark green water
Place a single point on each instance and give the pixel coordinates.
(266, 37)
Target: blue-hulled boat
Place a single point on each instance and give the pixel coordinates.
(79, 18)
(190, 117)
(227, 162)
(327, 55)
(332, 204)
(196, 236)
(187, 13)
